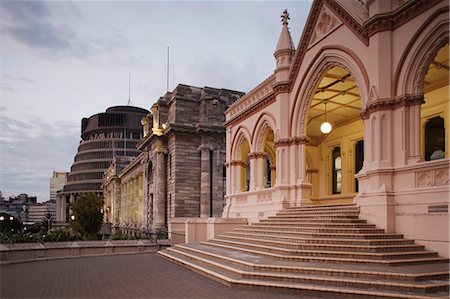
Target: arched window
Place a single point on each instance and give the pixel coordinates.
(434, 139)
(359, 160)
(267, 173)
(337, 174)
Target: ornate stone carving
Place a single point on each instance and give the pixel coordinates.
(254, 109)
(396, 18)
(326, 23)
(264, 198)
(428, 58)
(391, 104)
(256, 155)
(241, 200)
(433, 177)
(440, 177)
(282, 142)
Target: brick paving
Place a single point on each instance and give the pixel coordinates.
(121, 276)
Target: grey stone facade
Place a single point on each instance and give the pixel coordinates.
(184, 154)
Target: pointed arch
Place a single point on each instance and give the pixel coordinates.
(241, 133)
(421, 50)
(265, 121)
(325, 59)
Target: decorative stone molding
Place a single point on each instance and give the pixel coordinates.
(241, 200)
(251, 110)
(291, 141)
(432, 177)
(264, 197)
(391, 104)
(426, 61)
(300, 140)
(253, 96)
(256, 155)
(396, 18)
(235, 163)
(208, 147)
(281, 87)
(280, 142)
(326, 23)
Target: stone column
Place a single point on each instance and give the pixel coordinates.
(257, 170)
(205, 181)
(61, 208)
(159, 206)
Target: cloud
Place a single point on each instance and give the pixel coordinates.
(30, 150)
(47, 29)
(10, 82)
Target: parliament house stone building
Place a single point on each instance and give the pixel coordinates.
(180, 172)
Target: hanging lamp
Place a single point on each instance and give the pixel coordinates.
(325, 127)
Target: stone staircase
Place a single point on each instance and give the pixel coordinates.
(324, 251)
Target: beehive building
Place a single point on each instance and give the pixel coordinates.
(103, 136)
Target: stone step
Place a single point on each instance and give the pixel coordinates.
(274, 248)
(292, 243)
(311, 225)
(337, 230)
(303, 282)
(324, 258)
(319, 216)
(348, 235)
(322, 207)
(323, 224)
(316, 212)
(328, 220)
(246, 261)
(300, 238)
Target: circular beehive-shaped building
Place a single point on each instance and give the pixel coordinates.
(103, 136)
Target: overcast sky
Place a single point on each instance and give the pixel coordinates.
(62, 61)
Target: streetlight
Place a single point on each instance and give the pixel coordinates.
(2, 218)
(72, 217)
(11, 218)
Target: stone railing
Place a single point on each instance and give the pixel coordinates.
(25, 252)
(252, 97)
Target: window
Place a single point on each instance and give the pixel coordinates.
(337, 173)
(434, 139)
(359, 160)
(267, 173)
(247, 176)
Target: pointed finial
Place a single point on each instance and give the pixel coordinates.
(285, 17)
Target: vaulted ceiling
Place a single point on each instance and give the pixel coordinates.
(339, 93)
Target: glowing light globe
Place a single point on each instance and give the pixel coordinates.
(325, 127)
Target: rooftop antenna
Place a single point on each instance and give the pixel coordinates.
(129, 89)
(167, 69)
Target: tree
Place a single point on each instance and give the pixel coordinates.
(88, 217)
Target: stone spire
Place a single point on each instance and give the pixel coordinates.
(285, 49)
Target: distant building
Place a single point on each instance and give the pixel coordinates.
(115, 132)
(57, 182)
(180, 171)
(17, 206)
(37, 212)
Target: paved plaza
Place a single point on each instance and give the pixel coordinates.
(121, 276)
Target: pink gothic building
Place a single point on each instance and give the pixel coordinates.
(376, 73)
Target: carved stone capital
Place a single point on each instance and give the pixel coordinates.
(280, 142)
(280, 87)
(391, 104)
(256, 155)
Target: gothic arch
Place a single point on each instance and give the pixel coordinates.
(327, 58)
(265, 121)
(242, 134)
(413, 66)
